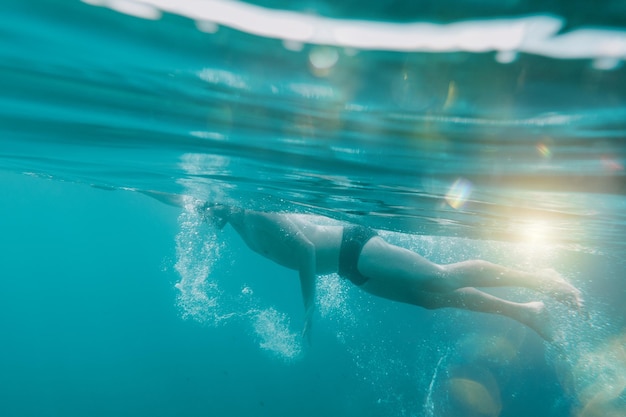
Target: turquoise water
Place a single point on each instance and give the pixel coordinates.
(462, 130)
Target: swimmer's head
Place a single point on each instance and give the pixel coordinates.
(215, 214)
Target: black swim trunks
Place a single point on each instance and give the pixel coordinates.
(354, 238)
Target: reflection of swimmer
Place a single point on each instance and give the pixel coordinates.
(357, 253)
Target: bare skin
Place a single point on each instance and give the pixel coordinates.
(394, 273)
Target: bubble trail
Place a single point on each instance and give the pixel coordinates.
(429, 404)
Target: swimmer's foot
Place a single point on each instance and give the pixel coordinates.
(554, 285)
(537, 318)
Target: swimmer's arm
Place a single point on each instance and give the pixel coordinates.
(301, 248)
(306, 261)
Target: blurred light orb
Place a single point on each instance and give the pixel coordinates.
(322, 60)
(207, 26)
(292, 45)
(506, 57)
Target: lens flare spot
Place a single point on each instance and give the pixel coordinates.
(459, 193)
(452, 95)
(473, 398)
(611, 164)
(544, 151)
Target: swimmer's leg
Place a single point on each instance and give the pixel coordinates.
(478, 273)
(394, 271)
(533, 314)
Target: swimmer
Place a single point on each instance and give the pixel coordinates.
(359, 254)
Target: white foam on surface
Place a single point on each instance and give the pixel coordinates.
(537, 34)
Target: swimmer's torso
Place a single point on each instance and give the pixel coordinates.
(269, 235)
